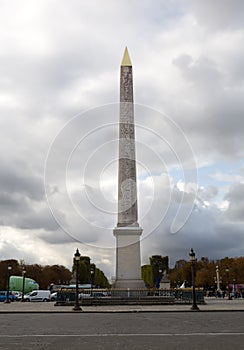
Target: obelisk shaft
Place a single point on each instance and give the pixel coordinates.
(127, 188)
(127, 232)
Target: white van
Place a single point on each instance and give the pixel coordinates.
(38, 295)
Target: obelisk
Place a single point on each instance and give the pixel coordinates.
(127, 232)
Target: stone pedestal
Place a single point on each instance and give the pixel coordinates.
(128, 259)
(164, 284)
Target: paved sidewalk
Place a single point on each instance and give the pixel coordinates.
(212, 304)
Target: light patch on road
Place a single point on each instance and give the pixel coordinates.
(122, 335)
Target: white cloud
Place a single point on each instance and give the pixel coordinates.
(223, 177)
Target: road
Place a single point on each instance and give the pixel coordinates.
(144, 331)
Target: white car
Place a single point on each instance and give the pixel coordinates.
(84, 295)
(38, 295)
(53, 296)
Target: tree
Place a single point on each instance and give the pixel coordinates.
(35, 272)
(43, 275)
(147, 275)
(206, 272)
(46, 275)
(152, 274)
(4, 271)
(180, 273)
(100, 280)
(84, 273)
(84, 270)
(56, 274)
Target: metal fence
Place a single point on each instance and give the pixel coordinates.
(128, 296)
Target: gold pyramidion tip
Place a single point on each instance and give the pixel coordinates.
(126, 59)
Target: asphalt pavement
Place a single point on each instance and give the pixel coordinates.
(218, 330)
(212, 304)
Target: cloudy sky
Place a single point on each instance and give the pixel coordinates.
(59, 93)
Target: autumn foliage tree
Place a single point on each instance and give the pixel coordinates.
(4, 271)
(231, 270)
(43, 275)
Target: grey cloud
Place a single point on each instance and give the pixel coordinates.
(235, 196)
(18, 178)
(218, 14)
(37, 219)
(207, 231)
(215, 120)
(203, 71)
(22, 197)
(19, 212)
(56, 237)
(8, 202)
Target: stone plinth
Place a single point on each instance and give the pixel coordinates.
(128, 258)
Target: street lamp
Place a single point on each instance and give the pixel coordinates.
(227, 282)
(160, 275)
(23, 283)
(77, 259)
(92, 279)
(160, 271)
(193, 260)
(218, 280)
(234, 287)
(7, 301)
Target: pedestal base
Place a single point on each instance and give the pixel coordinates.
(128, 258)
(129, 284)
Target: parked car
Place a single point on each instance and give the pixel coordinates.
(98, 294)
(93, 294)
(84, 295)
(38, 295)
(53, 296)
(3, 296)
(17, 295)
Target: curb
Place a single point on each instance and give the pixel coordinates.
(116, 311)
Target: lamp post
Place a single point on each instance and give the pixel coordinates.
(227, 282)
(218, 281)
(92, 279)
(234, 288)
(7, 301)
(77, 259)
(193, 260)
(23, 283)
(160, 272)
